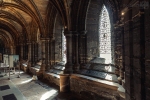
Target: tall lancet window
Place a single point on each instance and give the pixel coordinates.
(64, 58)
(105, 36)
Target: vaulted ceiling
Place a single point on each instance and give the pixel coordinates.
(23, 19)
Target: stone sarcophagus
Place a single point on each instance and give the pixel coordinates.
(97, 69)
(53, 75)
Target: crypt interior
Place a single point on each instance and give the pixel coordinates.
(75, 49)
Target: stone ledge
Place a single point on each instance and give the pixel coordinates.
(93, 86)
(106, 84)
(54, 75)
(35, 68)
(52, 78)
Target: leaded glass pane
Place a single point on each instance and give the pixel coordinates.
(105, 36)
(64, 58)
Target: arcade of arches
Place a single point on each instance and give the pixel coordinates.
(95, 48)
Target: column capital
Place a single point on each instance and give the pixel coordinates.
(45, 39)
(70, 33)
(29, 43)
(82, 32)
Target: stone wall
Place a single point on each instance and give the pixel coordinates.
(92, 25)
(58, 39)
(147, 52)
(93, 89)
(136, 30)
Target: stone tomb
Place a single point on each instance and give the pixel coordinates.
(53, 74)
(102, 71)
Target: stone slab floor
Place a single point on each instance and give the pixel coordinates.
(24, 88)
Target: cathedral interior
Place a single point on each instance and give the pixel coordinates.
(75, 49)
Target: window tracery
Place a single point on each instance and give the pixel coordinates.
(105, 36)
(64, 56)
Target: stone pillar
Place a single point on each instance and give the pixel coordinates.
(11, 50)
(50, 52)
(47, 53)
(35, 52)
(21, 49)
(32, 54)
(64, 83)
(14, 49)
(29, 51)
(76, 65)
(69, 65)
(43, 66)
(82, 47)
(24, 51)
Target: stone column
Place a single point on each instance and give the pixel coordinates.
(76, 65)
(82, 47)
(29, 51)
(14, 49)
(24, 51)
(50, 52)
(64, 82)
(32, 54)
(35, 52)
(69, 65)
(64, 78)
(11, 47)
(21, 49)
(43, 66)
(47, 53)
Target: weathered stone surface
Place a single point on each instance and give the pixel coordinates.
(84, 86)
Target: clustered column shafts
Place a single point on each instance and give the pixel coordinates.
(47, 54)
(21, 45)
(76, 65)
(29, 51)
(43, 55)
(32, 54)
(50, 52)
(82, 46)
(69, 65)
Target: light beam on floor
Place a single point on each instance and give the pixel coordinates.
(48, 94)
(26, 81)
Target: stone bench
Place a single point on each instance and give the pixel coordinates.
(53, 75)
(94, 88)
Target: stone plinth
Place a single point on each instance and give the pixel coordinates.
(64, 82)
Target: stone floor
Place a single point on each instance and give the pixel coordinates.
(24, 88)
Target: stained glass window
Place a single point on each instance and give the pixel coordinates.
(64, 58)
(105, 36)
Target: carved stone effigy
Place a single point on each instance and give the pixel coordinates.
(34, 70)
(53, 75)
(95, 87)
(24, 64)
(96, 68)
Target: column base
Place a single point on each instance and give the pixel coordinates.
(64, 83)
